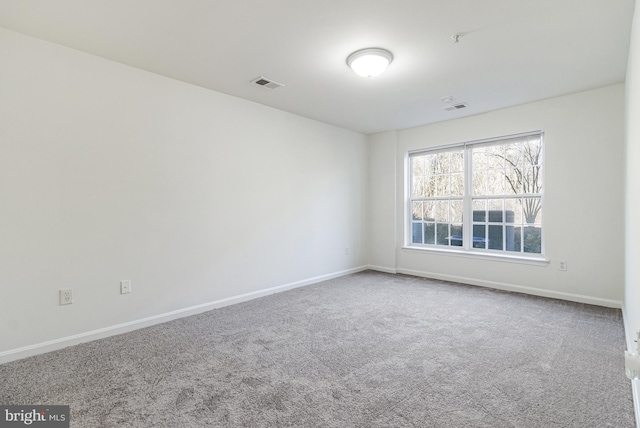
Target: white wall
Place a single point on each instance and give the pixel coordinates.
(108, 172)
(584, 199)
(381, 216)
(632, 284)
(632, 198)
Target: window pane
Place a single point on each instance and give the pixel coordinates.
(517, 235)
(532, 159)
(479, 182)
(430, 186)
(429, 233)
(417, 210)
(495, 216)
(513, 183)
(443, 185)
(495, 182)
(494, 204)
(442, 233)
(532, 239)
(442, 211)
(417, 165)
(457, 185)
(532, 180)
(532, 152)
(513, 155)
(478, 159)
(495, 210)
(532, 209)
(430, 164)
(416, 233)
(509, 215)
(444, 160)
(417, 187)
(510, 239)
(456, 235)
(457, 161)
(429, 210)
(479, 210)
(495, 156)
(479, 236)
(495, 237)
(513, 210)
(455, 211)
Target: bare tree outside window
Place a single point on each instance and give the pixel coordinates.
(437, 187)
(525, 177)
(508, 175)
(504, 201)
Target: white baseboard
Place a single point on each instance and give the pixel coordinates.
(382, 269)
(517, 288)
(630, 335)
(52, 345)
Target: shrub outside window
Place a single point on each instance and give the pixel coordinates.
(483, 196)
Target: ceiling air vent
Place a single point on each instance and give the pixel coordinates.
(457, 106)
(266, 83)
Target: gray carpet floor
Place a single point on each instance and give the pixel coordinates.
(365, 350)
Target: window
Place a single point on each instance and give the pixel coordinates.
(484, 196)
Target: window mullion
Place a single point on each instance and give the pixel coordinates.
(467, 220)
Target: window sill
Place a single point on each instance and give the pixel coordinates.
(535, 261)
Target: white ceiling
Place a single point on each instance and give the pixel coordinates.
(510, 52)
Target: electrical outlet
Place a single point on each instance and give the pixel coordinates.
(125, 286)
(562, 265)
(66, 296)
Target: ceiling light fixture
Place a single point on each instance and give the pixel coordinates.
(369, 62)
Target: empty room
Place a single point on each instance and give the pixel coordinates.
(283, 213)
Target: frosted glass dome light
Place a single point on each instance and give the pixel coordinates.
(369, 62)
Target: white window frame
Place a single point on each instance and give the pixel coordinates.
(467, 248)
